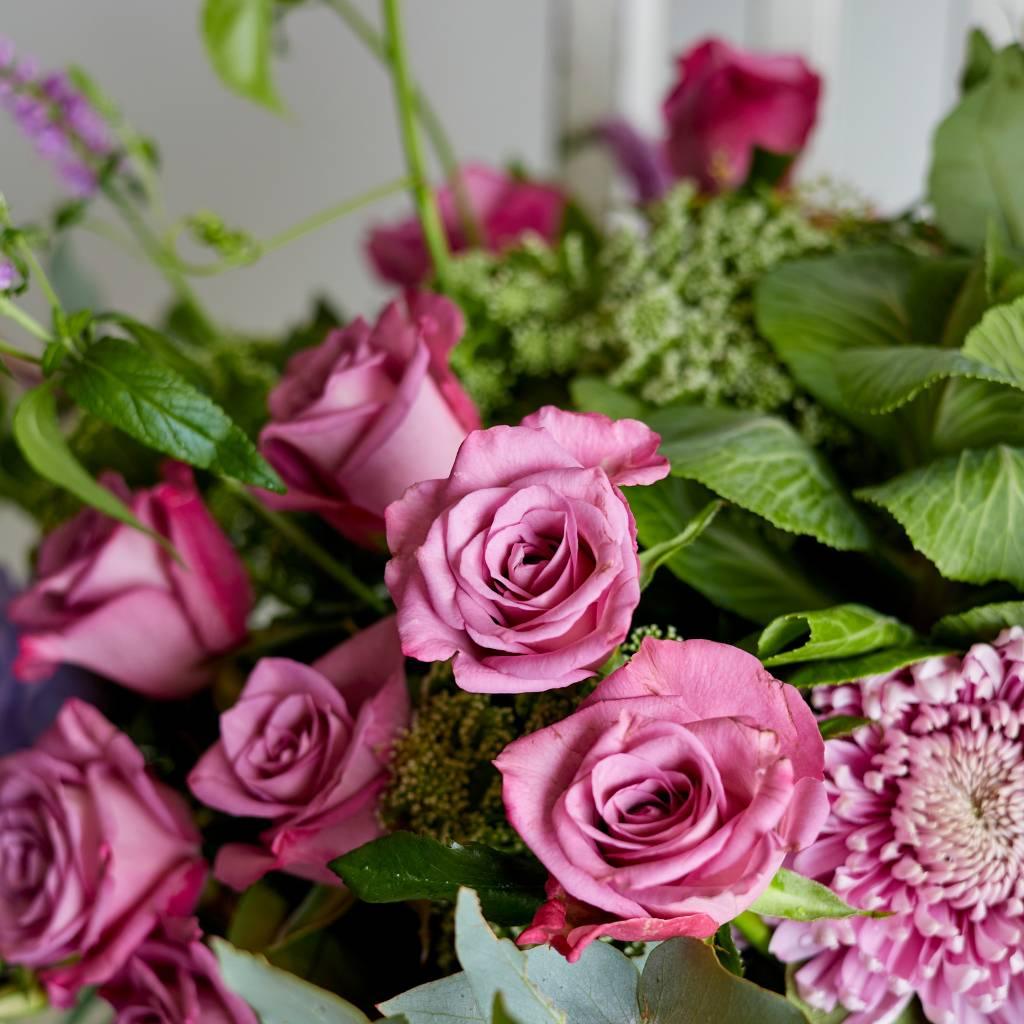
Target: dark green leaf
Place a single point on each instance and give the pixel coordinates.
(725, 949)
(732, 563)
(238, 36)
(982, 623)
(122, 385)
(761, 464)
(767, 168)
(402, 866)
(683, 983)
(652, 558)
(965, 513)
(802, 899)
(838, 632)
(257, 919)
(845, 670)
(838, 726)
(977, 61)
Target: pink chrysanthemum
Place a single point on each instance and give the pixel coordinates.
(927, 821)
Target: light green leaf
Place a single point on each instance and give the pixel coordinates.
(118, 382)
(495, 965)
(683, 983)
(965, 513)
(978, 624)
(37, 432)
(21, 999)
(446, 1001)
(838, 632)
(652, 558)
(761, 464)
(802, 899)
(838, 726)
(977, 154)
(279, 997)
(594, 394)
(500, 1014)
(845, 670)
(238, 37)
(732, 563)
(974, 414)
(998, 341)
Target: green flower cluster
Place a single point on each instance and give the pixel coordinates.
(664, 313)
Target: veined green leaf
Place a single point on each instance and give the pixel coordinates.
(846, 670)
(802, 899)
(998, 341)
(982, 623)
(652, 558)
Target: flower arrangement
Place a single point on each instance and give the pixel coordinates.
(625, 624)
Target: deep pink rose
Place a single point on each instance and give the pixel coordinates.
(728, 102)
(358, 419)
(522, 563)
(308, 747)
(112, 600)
(93, 852)
(174, 979)
(506, 210)
(667, 802)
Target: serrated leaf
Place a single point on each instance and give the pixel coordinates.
(731, 563)
(762, 464)
(978, 624)
(652, 558)
(279, 997)
(683, 983)
(402, 866)
(998, 341)
(238, 36)
(965, 513)
(802, 899)
(839, 726)
(838, 632)
(122, 385)
(37, 431)
(845, 670)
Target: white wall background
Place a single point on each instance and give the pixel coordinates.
(890, 67)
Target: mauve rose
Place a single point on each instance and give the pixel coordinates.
(111, 599)
(666, 803)
(307, 747)
(522, 563)
(370, 411)
(174, 979)
(729, 102)
(506, 210)
(93, 853)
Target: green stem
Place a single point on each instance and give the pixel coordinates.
(754, 930)
(23, 320)
(39, 274)
(426, 202)
(301, 541)
(425, 111)
(7, 349)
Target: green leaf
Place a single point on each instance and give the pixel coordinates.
(1004, 270)
(402, 866)
(731, 563)
(977, 624)
(837, 1016)
(965, 513)
(257, 919)
(238, 36)
(495, 965)
(652, 558)
(978, 60)
(37, 431)
(446, 1001)
(21, 1000)
(977, 154)
(998, 341)
(683, 983)
(279, 997)
(838, 726)
(124, 386)
(802, 899)
(761, 464)
(767, 168)
(845, 670)
(839, 632)
(600, 988)
(725, 949)
(499, 1012)
(594, 394)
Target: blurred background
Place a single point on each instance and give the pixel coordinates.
(509, 80)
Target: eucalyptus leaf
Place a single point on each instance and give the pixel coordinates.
(802, 899)
(239, 36)
(977, 624)
(845, 670)
(445, 1001)
(965, 513)
(279, 997)
(683, 983)
(839, 632)
(761, 464)
(600, 988)
(119, 383)
(402, 866)
(652, 558)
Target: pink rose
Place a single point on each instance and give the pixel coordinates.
(112, 600)
(358, 419)
(729, 102)
(93, 853)
(522, 563)
(308, 747)
(506, 210)
(667, 802)
(174, 979)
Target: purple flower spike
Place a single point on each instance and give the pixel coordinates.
(9, 276)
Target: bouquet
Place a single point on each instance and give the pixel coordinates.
(624, 624)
